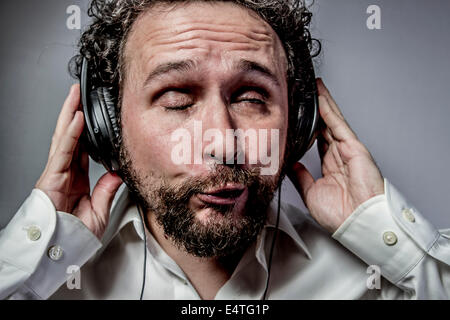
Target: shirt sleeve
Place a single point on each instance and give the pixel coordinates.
(37, 248)
(387, 231)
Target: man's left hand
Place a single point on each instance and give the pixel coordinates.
(349, 174)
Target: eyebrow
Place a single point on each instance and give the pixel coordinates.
(162, 69)
(187, 65)
(251, 66)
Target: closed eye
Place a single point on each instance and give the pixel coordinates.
(256, 101)
(174, 99)
(179, 108)
(254, 95)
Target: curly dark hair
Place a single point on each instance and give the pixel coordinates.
(103, 42)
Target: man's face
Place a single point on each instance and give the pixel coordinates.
(197, 67)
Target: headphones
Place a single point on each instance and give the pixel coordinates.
(101, 132)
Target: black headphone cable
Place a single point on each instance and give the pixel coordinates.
(145, 251)
(273, 243)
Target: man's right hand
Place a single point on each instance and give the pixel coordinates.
(65, 179)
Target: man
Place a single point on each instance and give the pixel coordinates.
(209, 226)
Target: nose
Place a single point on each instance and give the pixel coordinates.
(220, 146)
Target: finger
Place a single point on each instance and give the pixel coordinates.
(64, 152)
(326, 135)
(70, 107)
(322, 146)
(302, 179)
(323, 91)
(84, 159)
(339, 128)
(104, 192)
(81, 157)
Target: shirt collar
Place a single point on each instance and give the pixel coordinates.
(285, 225)
(125, 211)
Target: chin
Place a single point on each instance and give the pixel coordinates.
(217, 215)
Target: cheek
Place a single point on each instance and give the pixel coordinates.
(280, 125)
(148, 141)
(271, 140)
(278, 136)
(277, 122)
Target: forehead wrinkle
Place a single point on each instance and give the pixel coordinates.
(211, 30)
(202, 35)
(184, 32)
(213, 22)
(190, 64)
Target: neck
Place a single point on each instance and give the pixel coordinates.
(207, 275)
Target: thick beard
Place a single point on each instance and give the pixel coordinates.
(222, 235)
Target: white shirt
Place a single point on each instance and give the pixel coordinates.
(386, 232)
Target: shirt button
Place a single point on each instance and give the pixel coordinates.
(389, 238)
(408, 215)
(34, 233)
(55, 253)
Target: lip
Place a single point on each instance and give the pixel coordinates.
(212, 196)
(227, 187)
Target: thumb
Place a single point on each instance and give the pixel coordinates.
(104, 192)
(301, 178)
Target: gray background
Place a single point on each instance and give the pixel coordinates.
(392, 85)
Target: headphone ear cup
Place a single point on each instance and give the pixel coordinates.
(109, 126)
(109, 112)
(110, 103)
(305, 98)
(91, 132)
(101, 131)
